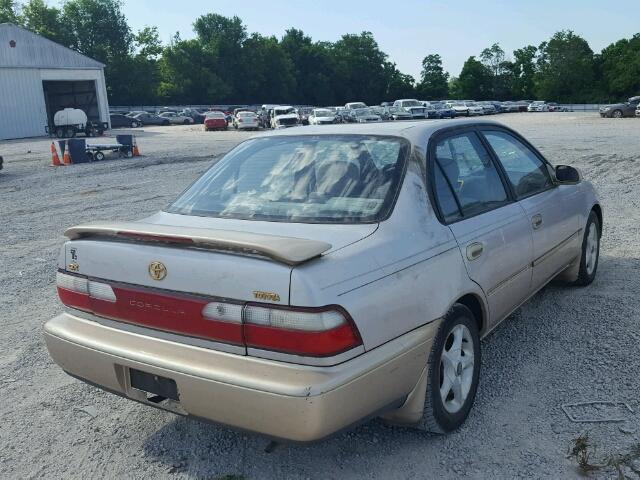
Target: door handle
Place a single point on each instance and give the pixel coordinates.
(536, 221)
(474, 250)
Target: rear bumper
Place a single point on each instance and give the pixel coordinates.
(282, 400)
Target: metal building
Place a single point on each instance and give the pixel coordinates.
(38, 77)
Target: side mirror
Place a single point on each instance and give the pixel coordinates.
(567, 174)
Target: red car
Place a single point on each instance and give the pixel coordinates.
(215, 121)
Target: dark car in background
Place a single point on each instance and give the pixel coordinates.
(119, 121)
(442, 110)
(150, 119)
(620, 110)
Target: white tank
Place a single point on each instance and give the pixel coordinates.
(70, 116)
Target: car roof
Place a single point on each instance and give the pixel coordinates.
(415, 132)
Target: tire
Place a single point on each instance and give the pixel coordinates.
(128, 153)
(186, 122)
(70, 132)
(590, 251)
(438, 416)
(98, 156)
(617, 114)
(134, 124)
(60, 132)
(165, 123)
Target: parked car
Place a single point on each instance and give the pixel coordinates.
(474, 108)
(176, 118)
(195, 115)
(638, 111)
(215, 120)
(150, 119)
(538, 106)
(413, 106)
(354, 105)
(303, 115)
(488, 108)
(284, 116)
(429, 109)
(261, 297)
(118, 120)
(619, 110)
(397, 113)
(246, 120)
(510, 107)
(443, 111)
(322, 116)
(459, 108)
(366, 115)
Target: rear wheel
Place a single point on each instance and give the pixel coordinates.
(70, 132)
(99, 156)
(60, 132)
(454, 372)
(134, 124)
(590, 251)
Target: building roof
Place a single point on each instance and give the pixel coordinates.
(21, 48)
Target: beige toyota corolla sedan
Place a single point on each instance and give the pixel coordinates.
(317, 277)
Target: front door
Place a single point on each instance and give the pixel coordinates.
(553, 222)
(491, 229)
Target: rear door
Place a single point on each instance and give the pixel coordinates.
(552, 216)
(491, 229)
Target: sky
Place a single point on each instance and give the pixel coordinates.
(408, 30)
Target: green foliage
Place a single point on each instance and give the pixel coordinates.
(434, 81)
(9, 12)
(619, 65)
(475, 80)
(226, 64)
(565, 69)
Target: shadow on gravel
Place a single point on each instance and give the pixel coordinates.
(204, 450)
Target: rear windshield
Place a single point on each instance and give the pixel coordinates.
(301, 179)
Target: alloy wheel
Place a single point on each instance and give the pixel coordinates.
(456, 368)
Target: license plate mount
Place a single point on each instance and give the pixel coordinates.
(154, 384)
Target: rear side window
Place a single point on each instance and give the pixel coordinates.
(527, 174)
(465, 174)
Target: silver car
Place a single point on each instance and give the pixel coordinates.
(317, 277)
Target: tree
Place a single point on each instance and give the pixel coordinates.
(359, 67)
(619, 64)
(434, 81)
(99, 29)
(475, 80)
(400, 85)
(45, 21)
(566, 70)
(8, 12)
(500, 70)
(524, 72)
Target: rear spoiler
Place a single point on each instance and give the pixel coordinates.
(288, 250)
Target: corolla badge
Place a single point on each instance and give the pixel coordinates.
(157, 270)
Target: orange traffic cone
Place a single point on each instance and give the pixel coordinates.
(66, 158)
(136, 151)
(55, 159)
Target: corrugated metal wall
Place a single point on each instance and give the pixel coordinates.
(22, 109)
(26, 59)
(22, 48)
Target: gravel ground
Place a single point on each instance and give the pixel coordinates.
(565, 345)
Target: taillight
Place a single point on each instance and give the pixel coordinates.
(314, 332)
(76, 291)
(310, 332)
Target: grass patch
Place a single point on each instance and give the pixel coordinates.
(583, 451)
